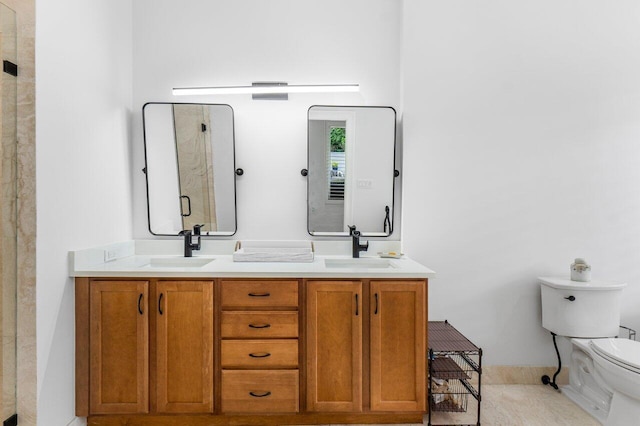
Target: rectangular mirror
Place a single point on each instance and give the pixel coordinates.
(190, 168)
(351, 170)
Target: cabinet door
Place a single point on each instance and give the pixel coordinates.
(334, 346)
(184, 346)
(398, 345)
(118, 340)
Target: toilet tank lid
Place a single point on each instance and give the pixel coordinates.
(566, 284)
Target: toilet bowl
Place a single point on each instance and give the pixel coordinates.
(604, 379)
(617, 362)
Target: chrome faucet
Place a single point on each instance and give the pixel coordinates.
(189, 245)
(356, 246)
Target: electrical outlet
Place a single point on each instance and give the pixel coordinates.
(110, 254)
(365, 183)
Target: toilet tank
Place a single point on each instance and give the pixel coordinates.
(581, 309)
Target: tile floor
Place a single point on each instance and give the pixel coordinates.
(520, 405)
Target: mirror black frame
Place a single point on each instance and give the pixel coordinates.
(395, 171)
(146, 175)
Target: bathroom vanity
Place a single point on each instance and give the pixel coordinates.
(168, 340)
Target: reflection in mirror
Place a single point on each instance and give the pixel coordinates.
(351, 170)
(190, 168)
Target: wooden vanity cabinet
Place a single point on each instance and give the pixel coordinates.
(250, 351)
(125, 326)
(394, 322)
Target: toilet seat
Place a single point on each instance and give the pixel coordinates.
(622, 352)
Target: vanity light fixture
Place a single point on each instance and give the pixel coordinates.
(267, 90)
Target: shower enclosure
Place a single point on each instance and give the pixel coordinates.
(8, 214)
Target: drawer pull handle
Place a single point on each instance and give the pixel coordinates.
(262, 355)
(259, 326)
(260, 395)
(259, 294)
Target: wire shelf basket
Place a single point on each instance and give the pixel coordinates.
(455, 368)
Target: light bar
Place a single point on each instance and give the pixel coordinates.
(266, 89)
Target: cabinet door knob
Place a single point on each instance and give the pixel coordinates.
(260, 395)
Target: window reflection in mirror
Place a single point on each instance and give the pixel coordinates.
(190, 167)
(351, 164)
(336, 166)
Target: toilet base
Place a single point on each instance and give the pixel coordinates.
(582, 402)
(624, 410)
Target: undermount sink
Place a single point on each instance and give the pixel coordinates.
(178, 262)
(358, 263)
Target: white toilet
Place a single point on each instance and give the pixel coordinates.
(604, 377)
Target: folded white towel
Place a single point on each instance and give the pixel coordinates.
(274, 254)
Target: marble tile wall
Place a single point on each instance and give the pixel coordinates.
(26, 217)
(8, 84)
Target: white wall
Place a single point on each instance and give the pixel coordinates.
(520, 123)
(521, 130)
(221, 43)
(83, 103)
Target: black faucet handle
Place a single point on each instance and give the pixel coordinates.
(196, 229)
(185, 232)
(352, 229)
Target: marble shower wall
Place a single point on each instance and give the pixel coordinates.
(8, 89)
(26, 216)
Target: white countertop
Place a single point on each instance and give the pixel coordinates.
(146, 259)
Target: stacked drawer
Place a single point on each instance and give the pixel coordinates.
(259, 331)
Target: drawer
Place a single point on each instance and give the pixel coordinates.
(259, 353)
(259, 324)
(253, 294)
(270, 391)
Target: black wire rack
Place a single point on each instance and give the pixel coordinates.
(455, 371)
